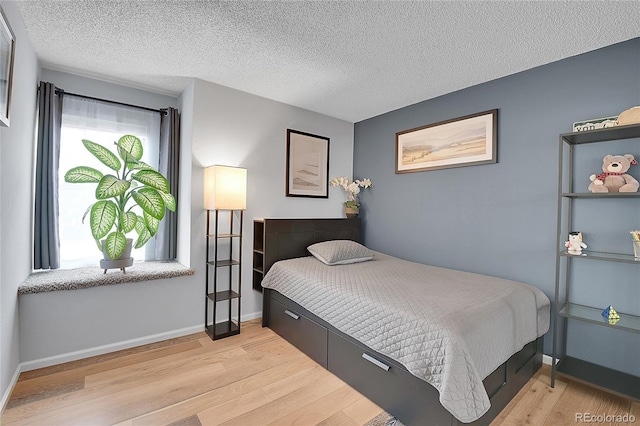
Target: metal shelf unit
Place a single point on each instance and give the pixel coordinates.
(217, 263)
(598, 376)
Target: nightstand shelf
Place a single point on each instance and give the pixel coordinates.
(258, 254)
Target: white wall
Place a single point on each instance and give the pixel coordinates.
(219, 125)
(105, 90)
(61, 326)
(235, 128)
(184, 191)
(16, 182)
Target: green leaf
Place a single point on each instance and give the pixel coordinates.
(129, 146)
(115, 245)
(152, 223)
(169, 201)
(102, 218)
(140, 165)
(150, 201)
(105, 156)
(127, 158)
(140, 225)
(145, 236)
(129, 222)
(83, 174)
(153, 179)
(111, 186)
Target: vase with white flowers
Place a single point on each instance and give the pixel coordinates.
(352, 188)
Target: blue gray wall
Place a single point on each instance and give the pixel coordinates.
(500, 219)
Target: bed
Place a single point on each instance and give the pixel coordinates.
(461, 360)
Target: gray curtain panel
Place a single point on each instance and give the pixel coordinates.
(167, 236)
(46, 238)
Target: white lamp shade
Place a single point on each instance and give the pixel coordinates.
(225, 188)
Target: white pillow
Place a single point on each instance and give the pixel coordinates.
(340, 252)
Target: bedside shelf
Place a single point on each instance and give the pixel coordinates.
(258, 254)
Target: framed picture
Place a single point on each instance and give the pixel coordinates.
(307, 165)
(7, 52)
(464, 141)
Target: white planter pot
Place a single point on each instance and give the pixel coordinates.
(120, 263)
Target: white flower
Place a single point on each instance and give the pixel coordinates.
(351, 187)
(365, 183)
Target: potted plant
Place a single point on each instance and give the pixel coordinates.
(352, 205)
(132, 198)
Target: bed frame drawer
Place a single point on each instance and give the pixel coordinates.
(305, 334)
(387, 383)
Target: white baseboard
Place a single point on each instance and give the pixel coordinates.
(126, 344)
(253, 315)
(12, 384)
(112, 347)
(546, 359)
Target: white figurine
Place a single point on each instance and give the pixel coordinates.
(575, 244)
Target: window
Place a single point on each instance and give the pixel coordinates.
(103, 123)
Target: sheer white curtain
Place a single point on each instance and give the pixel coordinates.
(103, 123)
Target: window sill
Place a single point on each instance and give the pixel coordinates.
(93, 276)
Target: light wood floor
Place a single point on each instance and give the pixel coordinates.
(255, 378)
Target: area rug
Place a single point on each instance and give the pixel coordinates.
(384, 419)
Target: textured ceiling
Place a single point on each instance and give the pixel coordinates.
(347, 59)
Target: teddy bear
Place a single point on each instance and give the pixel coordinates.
(615, 177)
(575, 244)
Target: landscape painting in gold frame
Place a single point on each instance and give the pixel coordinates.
(463, 141)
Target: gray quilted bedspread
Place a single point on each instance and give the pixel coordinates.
(447, 327)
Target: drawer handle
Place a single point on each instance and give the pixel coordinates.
(374, 361)
(291, 314)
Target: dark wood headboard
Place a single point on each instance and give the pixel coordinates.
(289, 238)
